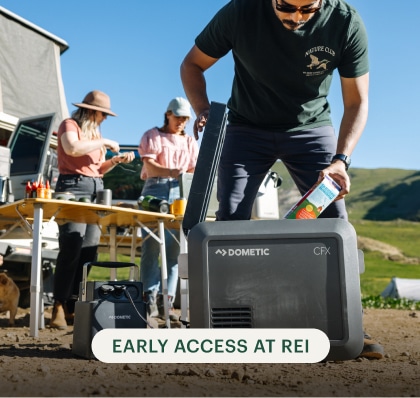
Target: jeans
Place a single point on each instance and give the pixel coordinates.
(78, 242)
(150, 275)
(248, 153)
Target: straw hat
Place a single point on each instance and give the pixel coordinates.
(98, 101)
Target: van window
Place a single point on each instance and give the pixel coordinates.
(28, 145)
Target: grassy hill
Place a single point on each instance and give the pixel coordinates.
(383, 204)
(376, 194)
(384, 194)
(384, 208)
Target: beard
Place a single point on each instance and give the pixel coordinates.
(291, 25)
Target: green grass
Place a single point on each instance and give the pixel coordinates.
(390, 303)
(102, 274)
(404, 235)
(379, 272)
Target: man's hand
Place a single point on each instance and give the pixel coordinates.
(337, 171)
(200, 122)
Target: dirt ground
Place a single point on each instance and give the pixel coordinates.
(45, 366)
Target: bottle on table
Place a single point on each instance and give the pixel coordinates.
(152, 203)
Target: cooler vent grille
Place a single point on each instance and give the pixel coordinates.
(231, 317)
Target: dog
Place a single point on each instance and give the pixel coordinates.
(9, 297)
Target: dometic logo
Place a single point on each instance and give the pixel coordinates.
(244, 252)
(119, 317)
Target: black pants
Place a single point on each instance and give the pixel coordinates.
(248, 153)
(78, 242)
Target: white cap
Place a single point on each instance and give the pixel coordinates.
(180, 107)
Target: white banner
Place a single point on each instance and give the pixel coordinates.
(210, 345)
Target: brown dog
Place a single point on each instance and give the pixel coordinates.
(9, 297)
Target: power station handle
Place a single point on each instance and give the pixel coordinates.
(109, 264)
(104, 264)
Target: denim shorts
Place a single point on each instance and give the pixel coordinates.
(163, 188)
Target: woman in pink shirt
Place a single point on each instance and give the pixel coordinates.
(166, 153)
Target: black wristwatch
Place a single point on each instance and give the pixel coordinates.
(344, 158)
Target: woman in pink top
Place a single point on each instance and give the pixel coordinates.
(166, 153)
(81, 163)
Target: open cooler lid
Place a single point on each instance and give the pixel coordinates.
(206, 168)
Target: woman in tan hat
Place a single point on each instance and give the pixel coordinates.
(81, 163)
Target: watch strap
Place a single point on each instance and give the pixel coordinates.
(344, 158)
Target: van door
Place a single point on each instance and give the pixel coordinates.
(30, 152)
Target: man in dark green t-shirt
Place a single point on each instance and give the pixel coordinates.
(285, 53)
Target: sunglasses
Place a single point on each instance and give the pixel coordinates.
(289, 9)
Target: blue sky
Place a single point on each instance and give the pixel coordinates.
(132, 50)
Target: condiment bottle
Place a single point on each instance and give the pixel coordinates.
(34, 188)
(47, 192)
(40, 191)
(28, 190)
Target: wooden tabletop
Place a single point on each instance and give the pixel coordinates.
(63, 211)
